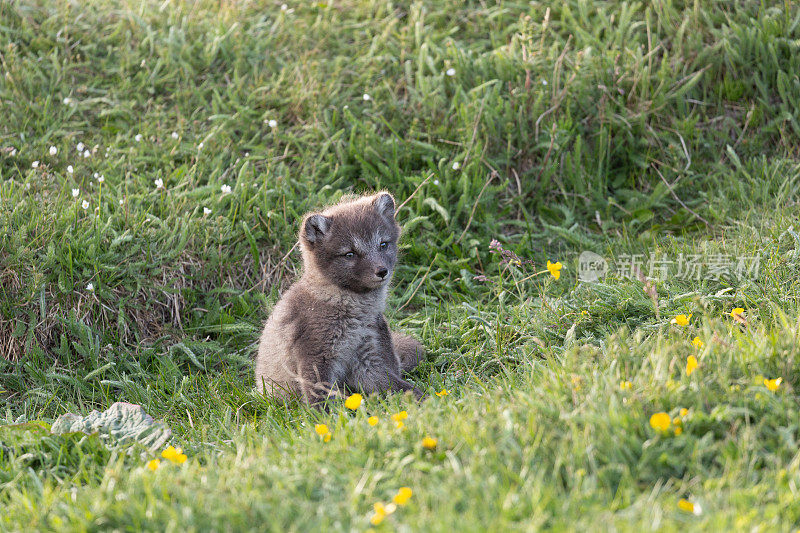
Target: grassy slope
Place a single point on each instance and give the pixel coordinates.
(576, 127)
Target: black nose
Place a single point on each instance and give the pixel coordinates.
(381, 272)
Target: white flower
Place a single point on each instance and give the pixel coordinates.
(95, 175)
(13, 152)
(272, 123)
(28, 186)
(138, 137)
(67, 101)
(456, 165)
(80, 147)
(697, 509)
(143, 63)
(53, 150)
(226, 189)
(101, 178)
(90, 287)
(35, 164)
(159, 183)
(247, 154)
(174, 134)
(75, 193)
(544, 82)
(436, 182)
(121, 201)
(284, 7)
(451, 72)
(206, 211)
(200, 146)
(85, 205)
(346, 107)
(70, 169)
(366, 97)
(86, 153)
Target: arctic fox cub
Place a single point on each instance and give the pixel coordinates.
(328, 329)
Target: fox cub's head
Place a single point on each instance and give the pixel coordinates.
(354, 243)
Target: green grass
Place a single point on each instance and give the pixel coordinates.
(662, 128)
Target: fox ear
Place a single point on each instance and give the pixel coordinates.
(384, 204)
(315, 227)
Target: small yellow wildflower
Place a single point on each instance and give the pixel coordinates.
(681, 320)
(555, 269)
(403, 495)
(381, 512)
(678, 431)
(376, 519)
(684, 411)
(691, 365)
(585, 312)
(738, 311)
(772, 384)
(323, 431)
(353, 401)
(174, 455)
(443, 392)
(689, 507)
(697, 343)
(399, 424)
(372, 421)
(660, 421)
(154, 464)
(402, 415)
(429, 443)
(625, 385)
(677, 421)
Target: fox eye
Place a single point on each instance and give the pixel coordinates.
(349, 255)
(384, 245)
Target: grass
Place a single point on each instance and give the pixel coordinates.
(667, 128)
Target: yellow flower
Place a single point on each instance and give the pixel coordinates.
(737, 311)
(660, 421)
(697, 343)
(174, 455)
(381, 512)
(152, 465)
(353, 401)
(399, 424)
(443, 392)
(372, 421)
(402, 415)
(691, 365)
(681, 320)
(403, 495)
(677, 421)
(684, 411)
(555, 269)
(678, 431)
(625, 385)
(689, 507)
(584, 312)
(772, 384)
(429, 443)
(323, 431)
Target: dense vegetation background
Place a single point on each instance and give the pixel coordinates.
(155, 158)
